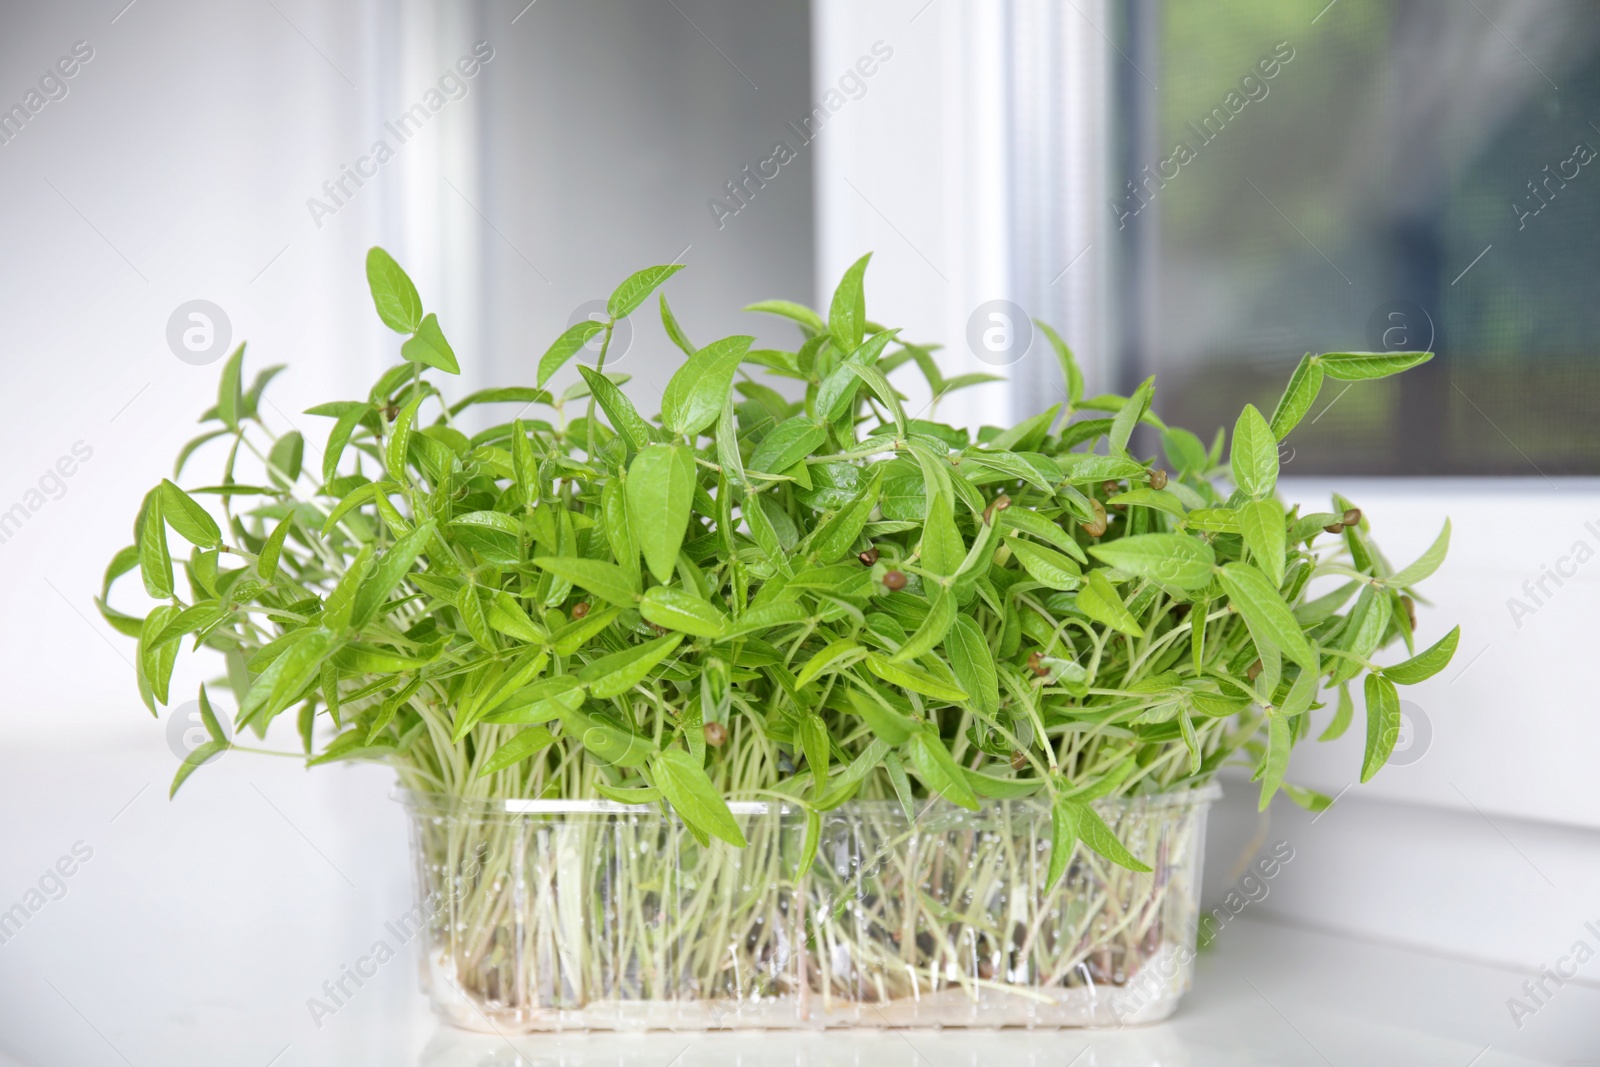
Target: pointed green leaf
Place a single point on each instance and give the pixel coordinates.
(886, 723)
(605, 580)
(684, 783)
(525, 744)
(1254, 459)
(619, 672)
(1279, 740)
(399, 443)
(393, 294)
(660, 493)
(1297, 398)
(939, 770)
(1071, 376)
(1425, 665)
(1425, 564)
(675, 609)
(1171, 559)
(155, 558)
(230, 394)
(847, 314)
(1129, 414)
(565, 347)
(185, 515)
(696, 393)
(833, 657)
(793, 312)
(973, 664)
(787, 444)
(674, 331)
(618, 408)
(389, 572)
(627, 297)
(941, 614)
(1264, 611)
(1063, 841)
(1046, 566)
(1093, 831)
(1341, 719)
(1383, 724)
(1366, 366)
(429, 347)
(1263, 525)
(1100, 600)
(917, 679)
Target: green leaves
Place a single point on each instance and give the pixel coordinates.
(155, 559)
(395, 297)
(1425, 665)
(526, 744)
(1099, 600)
(1046, 566)
(1075, 820)
(684, 783)
(605, 580)
(939, 770)
(674, 609)
(1254, 459)
(1383, 724)
(973, 664)
(618, 408)
(695, 395)
(787, 444)
(395, 451)
(636, 288)
(429, 347)
(1366, 366)
(847, 315)
(191, 521)
(660, 492)
(230, 393)
(619, 672)
(565, 347)
(866, 595)
(1264, 527)
(914, 678)
(1279, 740)
(836, 536)
(1298, 397)
(1168, 558)
(1425, 564)
(1269, 618)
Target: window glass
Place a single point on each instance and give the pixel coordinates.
(1368, 175)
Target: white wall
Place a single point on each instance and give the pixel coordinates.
(180, 165)
(177, 167)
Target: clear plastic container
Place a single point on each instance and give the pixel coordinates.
(589, 915)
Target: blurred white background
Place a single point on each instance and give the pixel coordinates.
(976, 162)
